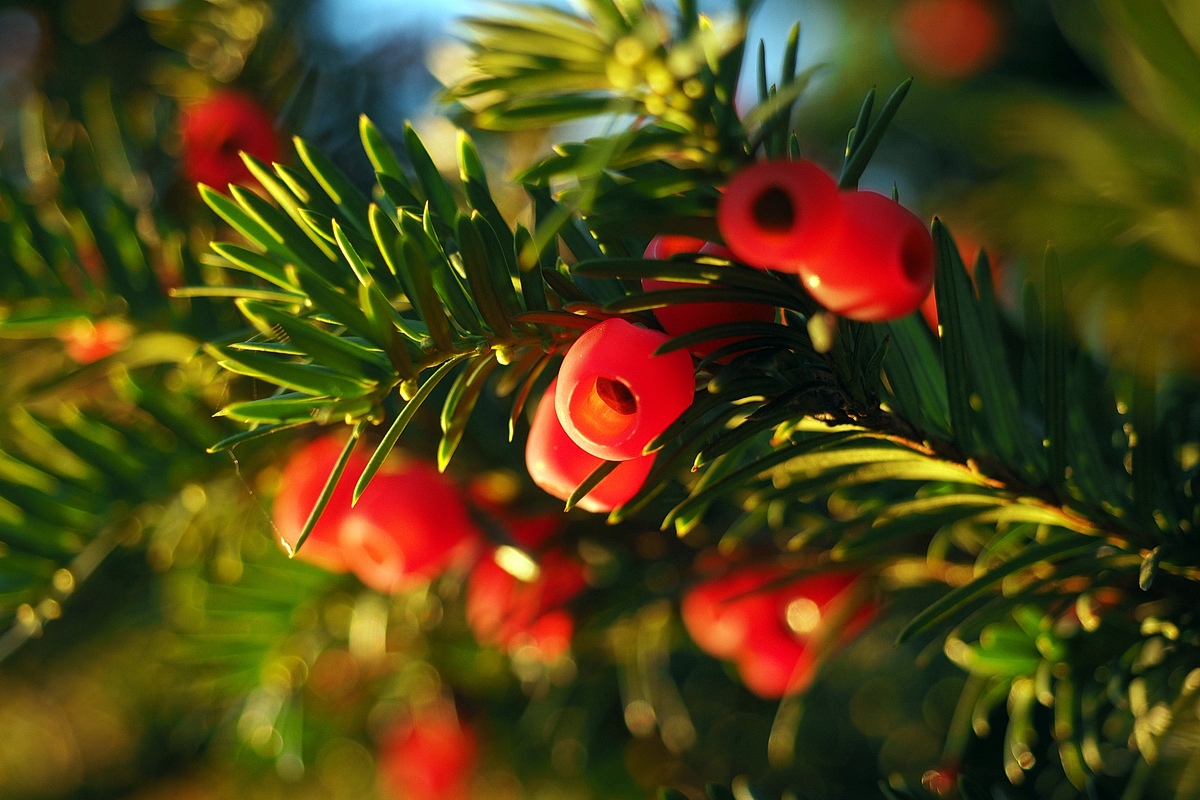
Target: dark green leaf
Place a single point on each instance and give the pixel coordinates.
(255, 264)
(483, 276)
(957, 599)
(503, 264)
(287, 200)
(348, 358)
(786, 337)
(859, 131)
(857, 161)
(383, 321)
(708, 270)
(533, 288)
(950, 318)
(261, 431)
(295, 408)
(523, 394)
(380, 152)
(459, 405)
(298, 377)
(663, 298)
(327, 492)
(437, 191)
(406, 414)
(475, 184)
(1054, 368)
(590, 482)
(337, 186)
(425, 299)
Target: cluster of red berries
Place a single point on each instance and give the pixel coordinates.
(613, 396)
(410, 525)
(860, 254)
(765, 622)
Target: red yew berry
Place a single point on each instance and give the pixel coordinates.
(409, 526)
(549, 635)
(780, 214)
(431, 758)
(766, 628)
(300, 485)
(614, 395)
(720, 613)
(558, 465)
(947, 39)
(85, 342)
(509, 613)
(770, 660)
(216, 128)
(880, 268)
(663, 247)
(681, 319)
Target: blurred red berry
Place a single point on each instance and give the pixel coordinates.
(663, 247)
(780, 214)
(941, 782)
(720, 613)
(409, 526)
(558, 465)
(549, 636)
(766, 628)
(216, 128)
(770, 661)
(680, 319)
(947, 39)
(507, 612)
(300, 485)
(881, 266)
(85, 342)
(432, 758)
(614, 395)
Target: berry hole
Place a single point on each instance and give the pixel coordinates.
(774, 211)
(616, 396)
(605, 412)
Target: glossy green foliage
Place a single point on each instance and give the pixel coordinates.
(106, 412)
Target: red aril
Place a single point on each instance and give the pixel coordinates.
(558, 465)
(881, 267)
(433, 757)
(614, 395)
(780, 215)
(409, 526)
(215, 129)
(300, 485)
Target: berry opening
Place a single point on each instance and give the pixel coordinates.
(774, 211)
(616, 395)
(605, 411)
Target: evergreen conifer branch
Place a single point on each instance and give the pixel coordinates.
(107, 408)
(986, 455)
